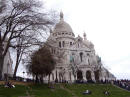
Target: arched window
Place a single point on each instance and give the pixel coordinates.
(60, 44)
(79, 75)
(88, 62)
(63, 43)
(81, 56)
(70, 43)
(54, 51)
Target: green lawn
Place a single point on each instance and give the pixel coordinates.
(44, 91)
(13, 92)
(63, 90)
(97, 90)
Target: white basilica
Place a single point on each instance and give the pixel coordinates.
(76, 58)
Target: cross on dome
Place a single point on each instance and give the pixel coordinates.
(84, 34)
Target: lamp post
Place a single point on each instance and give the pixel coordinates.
(23, 75)
(7, 71)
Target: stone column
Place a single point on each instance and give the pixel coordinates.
(84, 75)
(70, 76)
(93, 75)
(52, 76)
(56, 77)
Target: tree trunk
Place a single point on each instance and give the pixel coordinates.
(49, 79)
(1, 58)
(41, 79)
(1, 66)
(16, 67)
(37, 80)
(18, 59)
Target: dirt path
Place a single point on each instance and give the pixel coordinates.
(73, 94)
(27, 93)
(120, 88)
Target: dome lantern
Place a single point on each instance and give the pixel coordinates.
(61, 15)
(84, 36)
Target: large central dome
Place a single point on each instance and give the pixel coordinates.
(63, 28)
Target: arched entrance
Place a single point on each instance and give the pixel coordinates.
(96, 75)
(79, 75)
(88, 75)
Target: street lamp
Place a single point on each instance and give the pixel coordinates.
(23, 74)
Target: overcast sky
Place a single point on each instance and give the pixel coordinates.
(107, 25)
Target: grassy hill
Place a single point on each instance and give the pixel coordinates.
(62, 90)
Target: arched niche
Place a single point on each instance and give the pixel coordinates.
(79, 75)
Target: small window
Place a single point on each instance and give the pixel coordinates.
(88, 54)
(63, 43)
(62, 33)
(54, 51)
(73, 53)
(88, 62)
(70, 43)
(60, 44)
(81, 56)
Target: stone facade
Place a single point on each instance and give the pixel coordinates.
(76, 58)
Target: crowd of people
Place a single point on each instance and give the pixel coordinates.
(125, 84)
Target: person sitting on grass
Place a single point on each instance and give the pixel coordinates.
(106, 93)
(9, 85)
(87, 92)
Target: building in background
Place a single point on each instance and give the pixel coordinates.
(76, 58)
(7, 67)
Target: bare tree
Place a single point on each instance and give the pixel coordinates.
(21, 17)
(23, 47)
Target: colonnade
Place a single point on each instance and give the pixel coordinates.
(68, 76)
